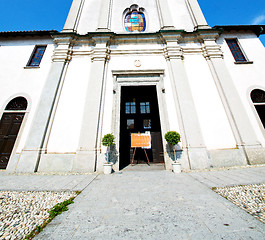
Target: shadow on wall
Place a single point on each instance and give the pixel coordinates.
(170, 152)
(113, 154)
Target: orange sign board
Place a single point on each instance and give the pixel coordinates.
(140, 140)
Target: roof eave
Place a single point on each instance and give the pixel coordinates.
(257, 29)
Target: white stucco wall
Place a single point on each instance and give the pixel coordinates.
(15, 80)
(180, 15)
(214, 124)
(66, 127)
(89, 17)
(247, 77)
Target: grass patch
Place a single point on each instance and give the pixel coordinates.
(59, 208)
(56, 210)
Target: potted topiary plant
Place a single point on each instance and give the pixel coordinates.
(108, 141)
(173, 138)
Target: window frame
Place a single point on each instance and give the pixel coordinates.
(33, 54)
(240, 49)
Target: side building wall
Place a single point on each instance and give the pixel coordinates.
(18, 80)
(247, 76)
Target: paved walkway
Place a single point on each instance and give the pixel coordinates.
(147, 205)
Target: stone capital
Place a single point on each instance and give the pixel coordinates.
(172, 49)
(63, 50)
(211, 50)
(173, 52)
(101, 51)
(100, 54)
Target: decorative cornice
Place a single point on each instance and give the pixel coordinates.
(170, 43)
(138, 72)
(138, 52)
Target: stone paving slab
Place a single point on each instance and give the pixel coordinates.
(37, 182)
(231, 177)
(154, 205)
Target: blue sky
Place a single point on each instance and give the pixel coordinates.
(18, 15)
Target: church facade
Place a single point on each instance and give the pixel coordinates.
(122, 67)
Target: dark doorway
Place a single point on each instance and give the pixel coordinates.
(9, 127)
(139, 113)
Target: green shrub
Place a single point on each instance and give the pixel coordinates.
(108, 140)
(172, 137)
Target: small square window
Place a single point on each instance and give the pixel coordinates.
(130, 107)
(130, 123)
(147, 124)
(145, 107)
(36, 56)
(236, 50)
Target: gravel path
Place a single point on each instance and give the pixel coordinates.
(22, 212)
(251, 198)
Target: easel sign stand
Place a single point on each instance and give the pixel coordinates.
(141, 140)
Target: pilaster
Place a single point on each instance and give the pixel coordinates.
(196, 14)
(35, 143)
(73, 17)
(89, 144)
(241, 126)
(192, 140)
(104, 16)
(166, 21)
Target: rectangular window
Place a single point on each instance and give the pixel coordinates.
(236, 50)
(36, 56)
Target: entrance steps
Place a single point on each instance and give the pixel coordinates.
(145, 167)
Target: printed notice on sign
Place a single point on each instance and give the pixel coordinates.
(141, 140)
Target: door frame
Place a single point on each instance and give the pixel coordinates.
(129, 78)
